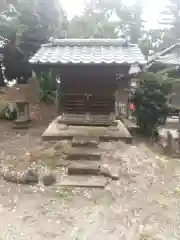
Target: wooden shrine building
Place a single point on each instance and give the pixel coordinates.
(87, 71)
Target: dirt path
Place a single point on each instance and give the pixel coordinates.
(142, 205)
(122, 211)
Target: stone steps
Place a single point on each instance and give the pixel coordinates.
(90, 142)
(21, 124)
(84, 158)
(84, 165)
(84, 168)
(86, 154)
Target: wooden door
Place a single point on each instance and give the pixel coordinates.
(75, 103)
(100, 104)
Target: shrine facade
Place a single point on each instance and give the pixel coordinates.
(88, 72)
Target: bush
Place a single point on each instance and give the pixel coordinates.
(47, 85)
(151, 101)
(7, 111)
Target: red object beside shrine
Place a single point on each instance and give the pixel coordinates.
(131, 107)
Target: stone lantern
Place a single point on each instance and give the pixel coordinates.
(23, 117)
(23, 95)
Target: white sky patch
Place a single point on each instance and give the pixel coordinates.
(73, 7)
(151, 15)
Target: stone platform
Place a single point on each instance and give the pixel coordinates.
(57, 131)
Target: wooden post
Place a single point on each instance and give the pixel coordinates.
(58, 95)
(170, 148)
(179, 134)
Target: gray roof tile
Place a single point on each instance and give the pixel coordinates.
(169, 56)
(170, 59)
(86, 51)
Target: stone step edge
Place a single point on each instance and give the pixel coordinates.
(84, 168)
(83, 154)
(88, 182)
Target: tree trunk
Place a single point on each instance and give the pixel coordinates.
(2, 83)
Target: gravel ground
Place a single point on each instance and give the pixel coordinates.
(142, 205)
(124, 210)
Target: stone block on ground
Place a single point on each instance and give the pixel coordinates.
(62, 146)
(84, 154)
(110, 172)
(114, 174)
(29, 177)
(85, 141)
(83, 168)
(84, 182)
(168, 141)
(11, 176)
(171, 144)
(49, 179)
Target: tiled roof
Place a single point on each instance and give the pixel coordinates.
(169, 56)
(169, 59)
(92, 51)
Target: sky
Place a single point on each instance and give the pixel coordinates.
(152, 9)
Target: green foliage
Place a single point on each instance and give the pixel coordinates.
(7, 111)
(97, 21)
(47, 85)
(10, 112)
(170, 23)
(32, 22)
(151, 41)
(28, 24)
(10, 23)
(151, 101)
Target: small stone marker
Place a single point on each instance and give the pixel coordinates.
(29, 177)
(49, 179)
(170, 148)
(110, 172)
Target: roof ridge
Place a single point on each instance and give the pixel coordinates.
(88, 42)
(160, 54)
(88, 51)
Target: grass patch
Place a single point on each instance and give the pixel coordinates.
(48, 162)
(17, 164)
(66, 192)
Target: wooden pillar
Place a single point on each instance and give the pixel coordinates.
(59, 95)
(179, 134)
(2, 83)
